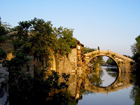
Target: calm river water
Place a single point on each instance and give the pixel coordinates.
(98, 87)
(111, 89)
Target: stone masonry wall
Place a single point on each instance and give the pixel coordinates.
(63, 64)
(67, 64)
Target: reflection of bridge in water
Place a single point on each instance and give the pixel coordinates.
(121, 82)
(76, 84)
(77, 65)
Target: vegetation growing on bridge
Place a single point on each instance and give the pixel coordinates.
(97, 61)
(87, 49)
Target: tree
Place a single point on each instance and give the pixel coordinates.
(87, 49)
(21, 35)
(110, 61)
(98, 48)
(2, 30)
(97, 61)
(38, 38)
(65, 40)
(136, 49)
(136, 46)
(2, 33)
(42, 38)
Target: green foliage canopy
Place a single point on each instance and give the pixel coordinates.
(136, 49)
(39, 37)
(65, 40)
(87, 49)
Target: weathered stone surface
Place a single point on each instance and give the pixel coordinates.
(62, 64)
(122, 61)
(67, 64)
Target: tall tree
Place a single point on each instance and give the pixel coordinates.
(136, 49)
(98, 48)
(39, 38)
(65, 40)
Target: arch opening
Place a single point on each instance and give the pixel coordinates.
(102, 71)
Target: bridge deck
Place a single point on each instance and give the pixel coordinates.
(105, 52)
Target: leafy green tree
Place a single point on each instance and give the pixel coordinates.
(2, 33)
(136, 56)
(97, 61)
(16, 63)
(65, 40)
(42, 38)
(110, 61)
(87, 49)
(4, 29)
(38, 38)
(98, 48)
(34, 37)
(136, 49)
(21, 36)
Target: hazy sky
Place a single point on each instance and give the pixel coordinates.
(109, 24)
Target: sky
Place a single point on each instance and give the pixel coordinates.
(110, 24)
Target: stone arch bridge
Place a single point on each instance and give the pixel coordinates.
(123, 62)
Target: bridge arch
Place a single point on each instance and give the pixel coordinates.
(102, 53)
(122, 61)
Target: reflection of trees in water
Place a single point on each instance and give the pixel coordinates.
(95, 78)
(135, 94)
(96, 62)
(101, 73)
(122, 82)
(86, 92)
(112, 72)
(38, 90)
